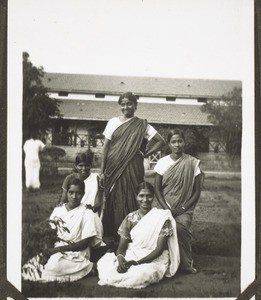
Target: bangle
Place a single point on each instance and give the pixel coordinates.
(120, 255)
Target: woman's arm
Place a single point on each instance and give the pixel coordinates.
(104, 155)
(159, 142)
(64, 197)
(161, 245)
(192, 200)
(65, 187)
(98, 199)
(123, 245)
(78, 246)
(158, 191)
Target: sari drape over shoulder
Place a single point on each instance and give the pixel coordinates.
(144, 237)
(124, 172)
(178, 181)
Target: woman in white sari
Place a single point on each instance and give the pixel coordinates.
(69, 261)
(148, 248)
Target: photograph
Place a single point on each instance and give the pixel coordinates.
(124, 115)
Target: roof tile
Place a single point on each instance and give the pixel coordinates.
(155, 113)
(150, 86)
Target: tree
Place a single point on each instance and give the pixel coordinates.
(226, 114)
(196, 137)
(38, 107)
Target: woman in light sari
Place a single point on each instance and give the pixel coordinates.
(93, 196)
(122, 167)
(148, 248)
(178, 185)
(69, 260)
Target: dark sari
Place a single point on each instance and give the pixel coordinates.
(178, 182)
(124, 172)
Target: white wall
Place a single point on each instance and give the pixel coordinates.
(75, 96)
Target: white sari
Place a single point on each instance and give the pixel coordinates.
(70, 265)
(144, 238)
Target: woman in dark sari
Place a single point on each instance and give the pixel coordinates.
(122, 167)
(178, 185)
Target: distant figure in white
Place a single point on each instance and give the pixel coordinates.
(32, 147)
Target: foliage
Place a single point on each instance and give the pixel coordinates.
(38, 107)
(43, 236)
(54, 152)
(196, 138)
(49, 159)
(226, 114)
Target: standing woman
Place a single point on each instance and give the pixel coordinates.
(178, 184)
(122, 167)
(32, 147)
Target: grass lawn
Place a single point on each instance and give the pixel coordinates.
(216, 229)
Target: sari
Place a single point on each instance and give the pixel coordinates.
(177, 184)
(70, 265)
(124, 172)
(144, 236)
(32, 163)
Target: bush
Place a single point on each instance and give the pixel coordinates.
(53, 153)
(50, 156)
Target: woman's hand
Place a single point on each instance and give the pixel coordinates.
(43, 258)
(178, 211)
(96, 208)
(130, 263)
(122, 268)
(102, 180)
(88, 206)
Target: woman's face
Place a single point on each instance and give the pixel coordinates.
(83, 169)
(145, 199)
(127, 108)
(74, 196)
(176, 144)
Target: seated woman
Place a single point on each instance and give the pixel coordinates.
(148, 248)
(93, 196)
(70, 261)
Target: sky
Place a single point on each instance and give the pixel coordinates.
(170, 38)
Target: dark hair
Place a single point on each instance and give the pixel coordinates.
(175, 131)
(83, 158)
(34, 135)
(130, 96)
(78, 182)
(145, 185)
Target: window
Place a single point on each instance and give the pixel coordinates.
(171, 98)
(99, 95)
(63, 94)
(202, 100)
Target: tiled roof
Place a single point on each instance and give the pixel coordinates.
(154, 113)
(146, 86)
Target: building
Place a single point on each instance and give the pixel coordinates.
(89, 101)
